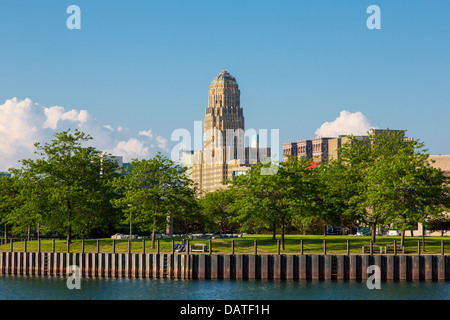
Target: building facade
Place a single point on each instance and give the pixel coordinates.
(322, 149)
(304, 149)
(289, 149)
(224, 154)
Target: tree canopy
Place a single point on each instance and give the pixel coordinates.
(66, 189)
(154, 189)
(75, 190)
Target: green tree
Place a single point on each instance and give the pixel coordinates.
(336, 185)
(306, 191)
(395, 183)
(8, 198)
(259, 203)
(74, 179)
(274, 201)
(153, 189)
(217, 209)
(416, 192)
(364, 157)
(29, 203)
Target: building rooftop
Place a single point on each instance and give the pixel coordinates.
(224, 77)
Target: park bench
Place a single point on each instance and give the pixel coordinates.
(375, 247)
(198, 247)
(390, 248)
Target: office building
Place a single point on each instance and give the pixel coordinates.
(322, 149)
(224, 153)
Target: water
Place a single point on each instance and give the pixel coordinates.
(54, 288)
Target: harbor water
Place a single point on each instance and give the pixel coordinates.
(56, 288)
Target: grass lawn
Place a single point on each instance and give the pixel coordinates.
(311, 244)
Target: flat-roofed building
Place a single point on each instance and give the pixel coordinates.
(289, 149)
(304, 149)
(320, 149)
(323, 149)
(441, 161)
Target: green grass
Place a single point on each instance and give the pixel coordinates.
(335, 244)
(311, 244)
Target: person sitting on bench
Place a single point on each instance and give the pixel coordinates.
(181, 247)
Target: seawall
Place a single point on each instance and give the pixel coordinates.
(227, 266)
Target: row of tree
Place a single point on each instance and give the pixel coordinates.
(77, 191)
(73, 190)
(384, 179)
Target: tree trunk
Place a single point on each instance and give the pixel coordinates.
(423, 238)
(69, 227)
(6, 234)
(374, 232)
(28, 232)
(274, 232)
(169, 225)
(69, 234)
(153, 236)
(282, 236)
(402, 241)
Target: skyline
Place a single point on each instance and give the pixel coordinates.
(132, 67)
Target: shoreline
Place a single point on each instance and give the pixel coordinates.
(430, 267)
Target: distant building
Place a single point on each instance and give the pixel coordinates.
(119, 160)
(325, 149)
(187, 160)
(240, 172)
(289, 149)
(335, 143)
(224, 154)
(304, 149)
(441, 161)
(322, 149)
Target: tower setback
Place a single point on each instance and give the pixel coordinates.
(224, 153)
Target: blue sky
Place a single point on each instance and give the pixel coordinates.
(147, 65)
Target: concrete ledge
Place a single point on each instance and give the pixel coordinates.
(218, 266)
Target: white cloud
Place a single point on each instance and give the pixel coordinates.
(133, 148)
(347, 123)
(23, 123)
(147, 133)
(162, 143)
(53, 114)
(20, 128)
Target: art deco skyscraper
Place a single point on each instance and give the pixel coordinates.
(224, 153)
(223, 112)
